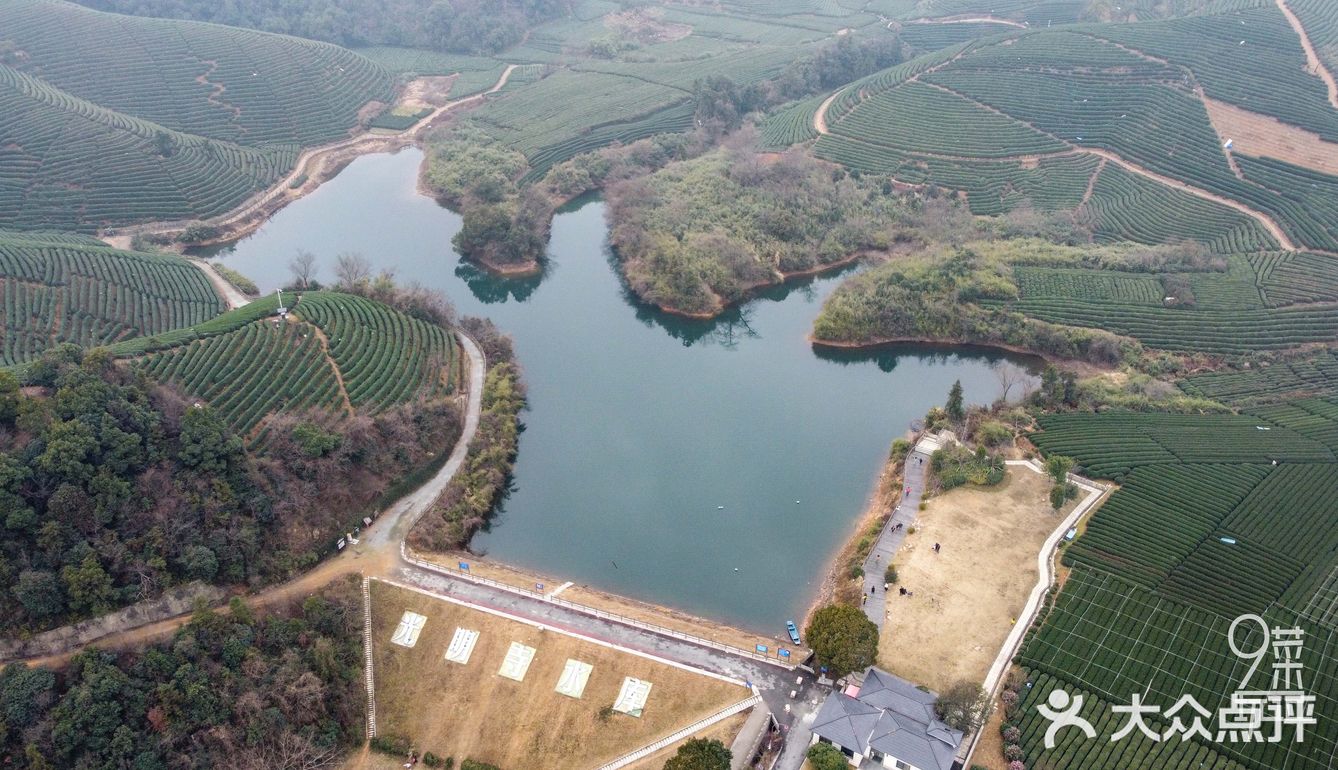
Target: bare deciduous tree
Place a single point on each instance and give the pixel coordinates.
(303, 268)
(352, 269)
(1009, 377)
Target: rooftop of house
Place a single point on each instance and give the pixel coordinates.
(891, 716)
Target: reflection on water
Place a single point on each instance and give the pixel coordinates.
(490, 289)
(712, 465)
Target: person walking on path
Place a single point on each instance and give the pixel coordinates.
(936, 547)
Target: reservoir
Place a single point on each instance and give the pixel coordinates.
(711, 466)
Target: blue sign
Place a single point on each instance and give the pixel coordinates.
(824, 669)
(538, 586)
(762, 648)
(785, 653)
(464, 565)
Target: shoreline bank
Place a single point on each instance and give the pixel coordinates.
(749, 293)
(882, 500)
(885, 342)
(314, 167)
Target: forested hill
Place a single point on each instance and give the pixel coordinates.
(236, 451)
(471, 26)
(232, 690)
(193, 118)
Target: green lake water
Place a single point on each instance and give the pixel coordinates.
(641, 426)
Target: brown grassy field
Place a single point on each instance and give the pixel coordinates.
(1261, 135)
(470, 711)
(967, 597)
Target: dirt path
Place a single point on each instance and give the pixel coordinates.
(820, 117)
(971, 20)
(313, 167)
(1312, 59)
(334, 367)
(1271, 226)
(230, 294)
(1091, 183)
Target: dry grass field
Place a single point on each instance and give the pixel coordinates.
(1263, 136)
(967, 596)
(469, 711)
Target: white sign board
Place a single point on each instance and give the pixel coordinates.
(411, 625)
(632, 697)
(574, 676)
(517, 662)
(462, 645)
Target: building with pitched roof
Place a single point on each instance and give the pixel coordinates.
(887, 722)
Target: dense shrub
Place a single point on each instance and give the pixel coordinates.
(227, 690)
(958, 465)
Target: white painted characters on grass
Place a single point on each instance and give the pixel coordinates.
(1252, 716)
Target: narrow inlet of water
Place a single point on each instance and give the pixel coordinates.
(710, 466)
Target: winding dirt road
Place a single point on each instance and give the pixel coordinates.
(820, 117)
(1312, 59)
(311, 169)
(971, 20)
(1269, 224)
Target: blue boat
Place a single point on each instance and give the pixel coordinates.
(794, 631)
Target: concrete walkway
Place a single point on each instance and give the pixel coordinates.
(750, 737)
(884, 551)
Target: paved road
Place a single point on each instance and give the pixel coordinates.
(884, 552)
(393, 526)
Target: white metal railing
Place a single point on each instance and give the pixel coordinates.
(367, 656)
(690, 730)
(593, 612)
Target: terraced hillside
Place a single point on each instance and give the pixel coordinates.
(1234, 312)
(235, 452)
(236, 85)
(1128, 100)
(56, 288)
(645, 84)
(1217, 516)
(335, 353)
(152, 119)
(1245, 309)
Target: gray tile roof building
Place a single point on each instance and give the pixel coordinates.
(889, 723)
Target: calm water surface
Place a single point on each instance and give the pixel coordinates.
(642, 426)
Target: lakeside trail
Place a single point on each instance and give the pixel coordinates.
(1313, 62)
(314, 166)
